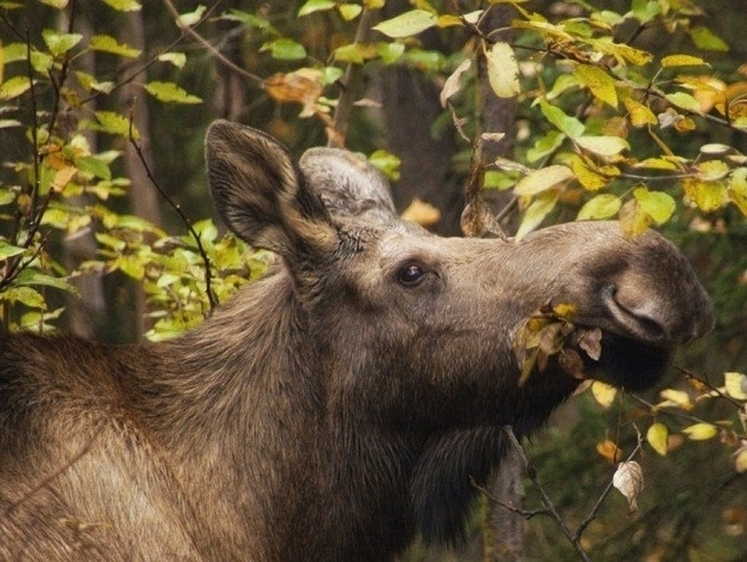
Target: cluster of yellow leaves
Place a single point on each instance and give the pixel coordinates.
(664, 439)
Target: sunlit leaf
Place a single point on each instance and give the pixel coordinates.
(711, 170)
(503, 71)
(169, 92)
(701, 431)
(602, 206)
(645, 10)
(356, 53)
(302, 86)
(603, 145)
(545, 145)
(640, 115)
(566, 124)
(589, 178)
(124, 5)
(59, 4)
(422, 213)
(708, 196)
(109, 44)
(285, 49)
(349, 11)
(536, 213)
(601, 84)
(658, 205)
(543, 180)
(628, 479)
(112, 123)
(25, 295)
(737, 189)
(603, 393)
(14, 87)
(189, 19)
(684, 101)
(407, 24)
(60, 43)
(736, 385)
(311, 6)
(177, 59)
(658, 437)
(681, 60)
(9, 250)
(677, 397)
(390, 52)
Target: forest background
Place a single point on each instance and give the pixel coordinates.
(543, 111)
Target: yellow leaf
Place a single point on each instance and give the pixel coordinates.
(603, 145)
(634, 220)
(708, 196)
(543, 179)
(740, 460)
(603, 393)
(602, 206)
(658, 437)
(422, 213)
(676, 397)
(681, 60)
(700, 431)
(659, 205)
(601, 84)
(711, 170)
(503, 71)
(640, 115)
(565, 311)
(536, 212)
(738, 189)
(656, 164)
(588, 178)
(736, 385)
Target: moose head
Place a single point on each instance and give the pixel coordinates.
(341, 404)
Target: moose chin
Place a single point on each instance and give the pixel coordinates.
(339, 406)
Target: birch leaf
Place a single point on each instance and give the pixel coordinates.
(543, 179)
(407, 24)
(658, 437)
(503, 71)
(628, 479)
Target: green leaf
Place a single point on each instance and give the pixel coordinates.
(60, 43)
(602, 206)
(31, 276)
(177, 59)
(645, 10)
(536, 213)
(386, 162)
(250, 20)
(543, 179)
(312, 6)
(503, 70)
(25, 295)
(571, 126)
(658, 205)
(168, 92)
(112, 123)
(601, 84)
(9, 250)
(407, 24)
(124, 5)
(16, 86)
(390, 52)
(684, 101)
(545, 145)
(285, 49)
(41, 62)
(603, 145)
(705, 39)
(93, 166)
(108, 44)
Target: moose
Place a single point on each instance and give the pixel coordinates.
(340, 405)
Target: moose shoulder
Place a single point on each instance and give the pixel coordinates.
(333, 409)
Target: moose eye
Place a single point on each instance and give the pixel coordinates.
(411, 274)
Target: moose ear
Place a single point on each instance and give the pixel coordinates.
(348, 185)
(261, 195)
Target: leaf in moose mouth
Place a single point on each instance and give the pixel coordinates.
(549, 331)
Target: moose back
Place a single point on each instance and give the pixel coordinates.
(337, 407)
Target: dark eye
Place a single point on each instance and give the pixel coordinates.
(411, 274)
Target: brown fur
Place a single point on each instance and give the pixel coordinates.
(332, 410)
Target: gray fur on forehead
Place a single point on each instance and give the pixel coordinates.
(348, 185)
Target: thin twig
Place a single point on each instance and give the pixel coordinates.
(212, 299)
(546, 500)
